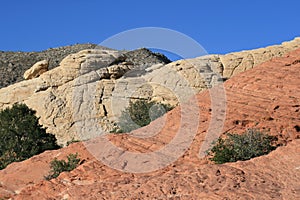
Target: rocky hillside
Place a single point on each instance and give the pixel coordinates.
(265, 97)
(14, 64)
(86, 93)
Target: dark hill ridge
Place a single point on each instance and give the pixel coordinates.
(14, 64)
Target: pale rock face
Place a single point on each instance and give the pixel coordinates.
(84, 96)
(36, 70)
(234, 63)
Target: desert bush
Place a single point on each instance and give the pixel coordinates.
(21, 135)
(59, 166)
(140, 113)
(234, 147)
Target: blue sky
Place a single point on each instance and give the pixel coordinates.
(219, 26)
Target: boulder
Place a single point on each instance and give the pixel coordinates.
(36, 70)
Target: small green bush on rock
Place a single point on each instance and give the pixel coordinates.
(21, 136)
(59, 166)
(234, 147)
(140, 113)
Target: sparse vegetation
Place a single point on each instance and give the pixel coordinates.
(59, 166)
(140, 113)
(234, 147)
(21, 135)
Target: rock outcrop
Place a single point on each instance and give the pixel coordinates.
(56, 94)
(94, 86)
(266, 97)
(36, 70)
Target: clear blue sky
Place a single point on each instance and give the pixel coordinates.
(219, 26)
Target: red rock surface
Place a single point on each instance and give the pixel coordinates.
(267, 97)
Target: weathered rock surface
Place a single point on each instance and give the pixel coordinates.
(266, 97)
(56, 94)
(36, 70)
(94, 86)
(234, 63)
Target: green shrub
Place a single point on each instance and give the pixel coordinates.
(234, 147)
(59, 166)
(140, 113)
(21, 135)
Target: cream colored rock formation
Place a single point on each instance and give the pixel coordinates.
(36, 70)
(234, 63)
(86, 93)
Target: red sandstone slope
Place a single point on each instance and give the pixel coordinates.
(264, 97)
